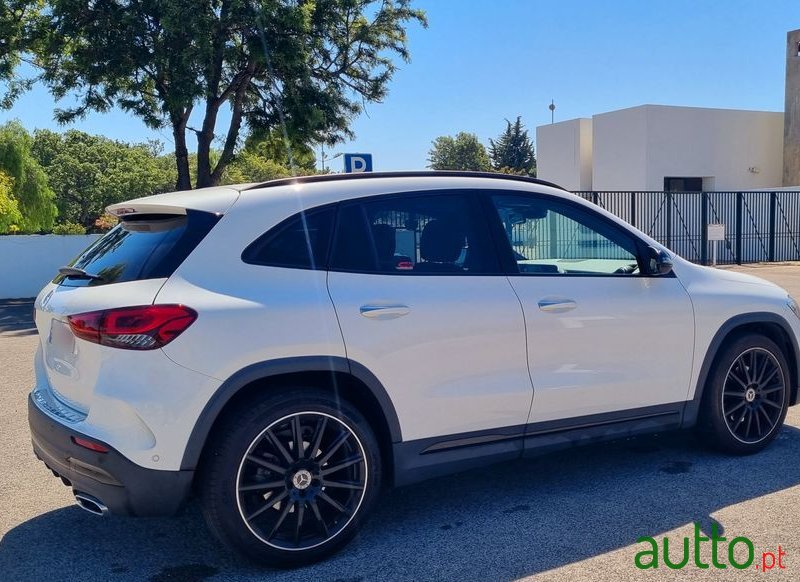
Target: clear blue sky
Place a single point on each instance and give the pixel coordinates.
(482, 61)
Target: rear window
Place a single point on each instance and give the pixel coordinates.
(141, 247)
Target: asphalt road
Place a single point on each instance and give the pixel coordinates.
(573, 516)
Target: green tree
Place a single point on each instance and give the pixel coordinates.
(462, 152)
(513, 153)
(9, 209)
(308, 65)
(274, 146)
(30, 188)
(16, 18)
(252, 167)
(89, 172)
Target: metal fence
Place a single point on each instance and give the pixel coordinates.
(759, 225)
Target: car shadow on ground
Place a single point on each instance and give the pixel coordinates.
(16, 317)
(498, 523)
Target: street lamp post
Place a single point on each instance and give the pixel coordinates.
(323, 157)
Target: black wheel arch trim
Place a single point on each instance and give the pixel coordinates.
(278, 367)
(692, 408)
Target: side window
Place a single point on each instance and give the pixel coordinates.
(299, 242)
(548, 237)
(430, 234)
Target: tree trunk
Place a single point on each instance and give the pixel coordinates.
(181, 152)
(204, 160)
(226, 157)
(205, 137)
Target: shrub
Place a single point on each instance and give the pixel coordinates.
(105, 222)
(69, 228)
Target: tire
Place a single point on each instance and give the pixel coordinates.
(746, 396)
(320, 493)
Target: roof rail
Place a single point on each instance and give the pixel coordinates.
(406, 174)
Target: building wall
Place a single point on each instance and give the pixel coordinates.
(564, 153)
(28, 262)
(619, 150)
(791, 135)
(720, 144)
(636, 148)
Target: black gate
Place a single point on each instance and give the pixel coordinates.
(759, 225)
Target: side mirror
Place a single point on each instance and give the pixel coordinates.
(660, 262)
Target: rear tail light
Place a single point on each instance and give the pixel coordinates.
(133, 328)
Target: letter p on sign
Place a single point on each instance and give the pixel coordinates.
(354, 163)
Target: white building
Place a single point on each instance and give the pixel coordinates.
(656, 147)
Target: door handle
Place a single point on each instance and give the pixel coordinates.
(385, 311)
(556, 304)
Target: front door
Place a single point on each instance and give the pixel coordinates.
(603, 337)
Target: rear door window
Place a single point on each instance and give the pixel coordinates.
(141, 247)
(436, 234)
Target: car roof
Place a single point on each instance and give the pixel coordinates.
(309, 191)
(405, 174)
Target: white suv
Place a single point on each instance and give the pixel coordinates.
(286, 350)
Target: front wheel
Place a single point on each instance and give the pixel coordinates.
(747, 396)
(291, 478)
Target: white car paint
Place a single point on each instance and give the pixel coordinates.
(455, 362)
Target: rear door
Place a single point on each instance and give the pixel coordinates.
(422, 304)
(603, 337)
(129, 264)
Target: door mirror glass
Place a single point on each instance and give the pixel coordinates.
(660, 262)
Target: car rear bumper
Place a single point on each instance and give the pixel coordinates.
(121, 485)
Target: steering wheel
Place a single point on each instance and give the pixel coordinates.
(627, 269)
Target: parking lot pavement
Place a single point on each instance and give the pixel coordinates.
(573, 516)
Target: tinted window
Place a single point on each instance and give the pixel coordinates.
(300, 242)
(433, 234)
(141, 247)
(548, 237)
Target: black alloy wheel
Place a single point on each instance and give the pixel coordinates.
(289, 477)
(301, 480)
(753, 395)
(746, 396)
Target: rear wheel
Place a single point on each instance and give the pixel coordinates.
(291, 479)
(747, 395)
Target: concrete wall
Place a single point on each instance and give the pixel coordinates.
(791, 132)
(636, 148)
(28, 262)
(740, 150)
(564, 153)
(619, 150)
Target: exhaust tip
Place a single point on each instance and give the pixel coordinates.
(91, 504)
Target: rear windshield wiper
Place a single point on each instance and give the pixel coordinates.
(75, 273)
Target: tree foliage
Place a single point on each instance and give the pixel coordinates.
(462, 152)
(29, 186)
(308, 65)
(283, 150)
(16, 20)
(9, 209)
(513, 153)
(89, 172)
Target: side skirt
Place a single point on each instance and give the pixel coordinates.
(422, 459)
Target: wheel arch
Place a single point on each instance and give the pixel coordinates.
(766, 323)
(343, 377)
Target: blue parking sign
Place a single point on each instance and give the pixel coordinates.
(354, 163)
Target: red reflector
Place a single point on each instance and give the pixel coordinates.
(133, 328)
(87, 444)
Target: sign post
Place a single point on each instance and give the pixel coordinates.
(715, 233)
(355, 163)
